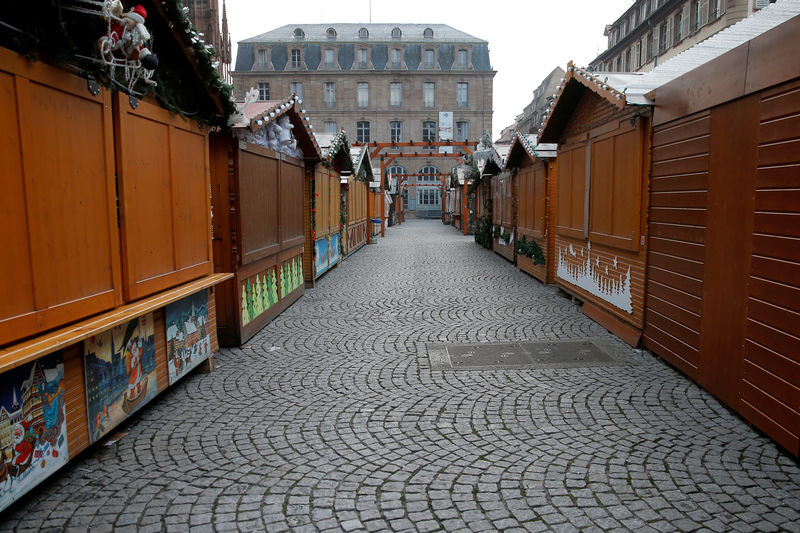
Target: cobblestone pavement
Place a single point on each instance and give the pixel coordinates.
(331, 420)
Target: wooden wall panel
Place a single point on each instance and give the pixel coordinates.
(571, 186)
(154, 149)
(258, 177)
(57, 195)
(672, 322)
(212, 319)
(770, 392)
(728, 236)
(291, 205)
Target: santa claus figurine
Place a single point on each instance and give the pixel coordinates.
(129, 37)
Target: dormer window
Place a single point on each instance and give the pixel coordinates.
(331, 33)
(396, 33)
(363, 33)
(299, 33)
(428, 33)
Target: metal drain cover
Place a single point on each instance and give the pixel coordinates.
(552, 354)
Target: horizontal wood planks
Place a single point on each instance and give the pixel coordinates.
(770, 387)
(678, 193)
(57, 198)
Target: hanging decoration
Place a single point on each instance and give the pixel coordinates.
(125, 44)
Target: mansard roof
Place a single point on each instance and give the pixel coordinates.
(349, 32)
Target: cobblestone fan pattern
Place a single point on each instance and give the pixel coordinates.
(332, 420)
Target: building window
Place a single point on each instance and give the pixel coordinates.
(329, 126)
(328, 54)
(428, 58)
(428, 33)
(428, 94)
(395, 58)
(462, 130)
(362, 94)
(427, 172)
(299, 33)
(462, 99)
(362, 58)
(296, 87)
(262, 58)
(695, 15)
(462, 59)
(396, 33)
(428, 131)
(263, 90)
(330, 33)
(395, 131)
(678, 26)
(395, 93)
(649, 47)
(628, 63)
(362, 131)
(716, 10)
(363, 33)
(662, 37)
(295, 58)
(329, 96)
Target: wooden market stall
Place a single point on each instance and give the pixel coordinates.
(108, 287)
(600, 250)
(322, 207)
(535, 169)
(504, 215)
(355, 188)
(258, 168)
(723, 274)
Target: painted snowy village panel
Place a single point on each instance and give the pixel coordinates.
(120, 367)
(334, 255)
(321, 258)
(188, 339)
(591, 275)
(33, 425)
(259, 293)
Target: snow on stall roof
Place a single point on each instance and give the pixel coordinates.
(532, 145)
(637, 85)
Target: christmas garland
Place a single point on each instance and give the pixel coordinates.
(530, 249)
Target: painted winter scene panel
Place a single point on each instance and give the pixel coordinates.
(321, 258)
(291, 275)
(188, 338)
(120, 367)
(33, 425)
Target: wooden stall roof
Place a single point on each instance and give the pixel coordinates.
(634, 88)
(336, 150)
(257, 115)
(361, 160)
(527, 143)
(65, 33)
(490, 157)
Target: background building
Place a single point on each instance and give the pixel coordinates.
(205, 16)
(531, 117)
(380, 82)
(652, 31)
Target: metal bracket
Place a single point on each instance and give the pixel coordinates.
(133, 101)
(93, 86)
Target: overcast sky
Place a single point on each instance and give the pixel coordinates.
(527, 38)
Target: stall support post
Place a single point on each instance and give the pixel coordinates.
(464, 209)
(383, 198)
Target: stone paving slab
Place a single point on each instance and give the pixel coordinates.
(331, 419)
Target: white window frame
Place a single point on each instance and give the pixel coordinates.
(462, 94)
(263, 91)
(329, 94)
(395, 94)
(429, 94)
(362, 94)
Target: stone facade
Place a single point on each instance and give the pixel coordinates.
(363, 64)
(652, 31)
